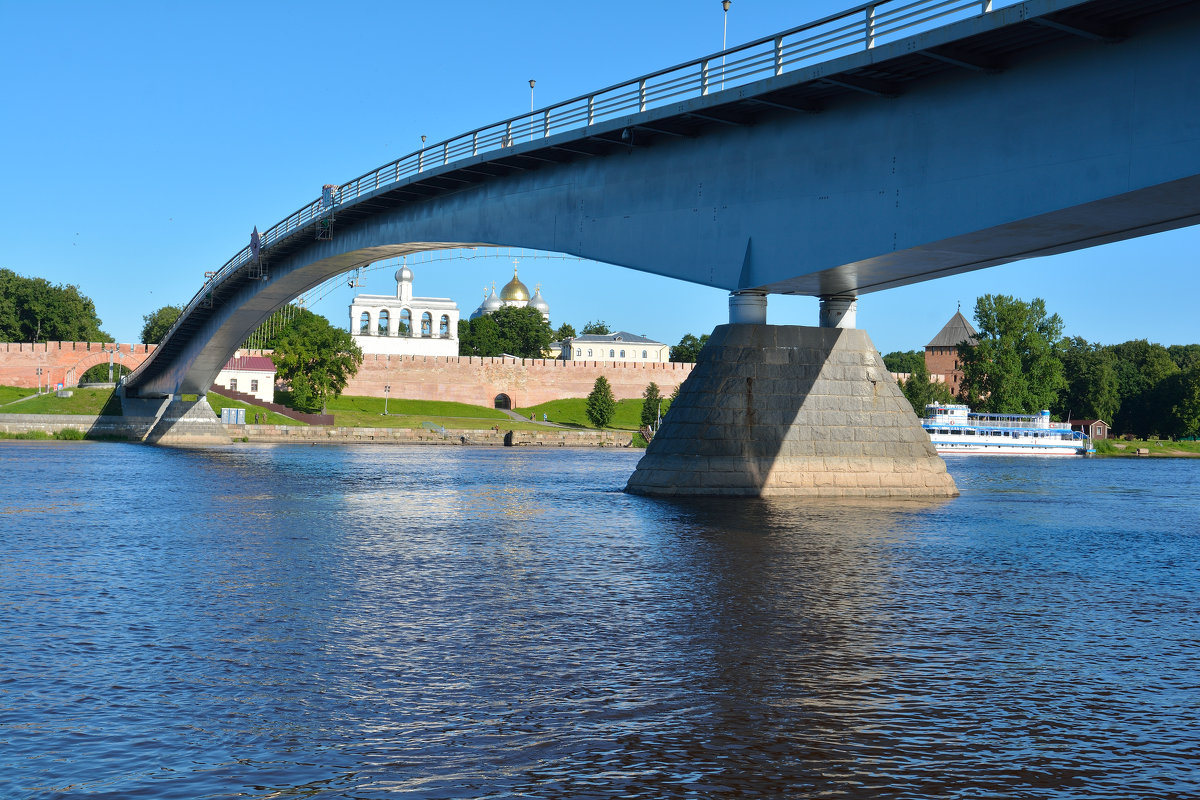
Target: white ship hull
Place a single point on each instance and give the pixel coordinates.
(955, 430)
(986, 445)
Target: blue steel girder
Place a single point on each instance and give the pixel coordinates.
(1017, 133)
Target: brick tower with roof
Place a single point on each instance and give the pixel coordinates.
(941, 354)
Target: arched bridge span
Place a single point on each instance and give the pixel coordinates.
(858, 153)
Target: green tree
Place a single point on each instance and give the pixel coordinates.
(601, 405)
(1185, 411)
(158, 323)
(34, 310)
(1144, 370)
(651, 405)
(520, 332)
(596, 328)
(1185, 356)
(904, 361)
(1013, 367)
(564, 331)
(479, 337)
(1091, 375)
(920, 391)
(315, 358)
(688, 349)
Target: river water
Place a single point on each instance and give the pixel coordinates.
(379, 621)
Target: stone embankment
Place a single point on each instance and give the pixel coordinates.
(97, 427)
(498, 437)
(134, 429)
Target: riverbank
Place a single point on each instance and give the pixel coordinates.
(52, 426)
(1142, 448)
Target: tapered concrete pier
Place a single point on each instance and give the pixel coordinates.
(175, 422)
(786, 410)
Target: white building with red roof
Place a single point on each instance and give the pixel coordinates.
(252, 375)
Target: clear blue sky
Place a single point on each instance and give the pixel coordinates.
(142, 141)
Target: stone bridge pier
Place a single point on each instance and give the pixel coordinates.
(788, 410)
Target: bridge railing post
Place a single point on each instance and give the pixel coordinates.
(704, 77)
(987, 6)
(642, 95)
(870, 27)
(545, 123)
(475, 143)
(778, 55)
(591, 108)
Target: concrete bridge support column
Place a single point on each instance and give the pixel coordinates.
(786, 410)
(188, 424)
(174, 422)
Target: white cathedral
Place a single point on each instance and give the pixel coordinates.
(403, 324)
(514, 293)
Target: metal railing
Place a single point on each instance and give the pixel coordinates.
(860, 28)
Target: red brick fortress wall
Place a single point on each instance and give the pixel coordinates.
(61, 362)
(527, 382)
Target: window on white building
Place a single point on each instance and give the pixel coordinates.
(444, 326)
(589, 351)
(427, 324)
(579, 352)
(643, 354)
(384, 319)
(364, 323)
(622, 354)
(610, 354)
(405, 322)
(253, 386)
(233, 384)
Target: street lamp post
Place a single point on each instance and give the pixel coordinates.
(387, 388)
(531, 83)
(724, 31)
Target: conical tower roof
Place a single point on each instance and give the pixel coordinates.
(956, 331)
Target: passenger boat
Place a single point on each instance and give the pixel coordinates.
(957, 429)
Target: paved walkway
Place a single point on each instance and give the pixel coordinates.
(517, 416)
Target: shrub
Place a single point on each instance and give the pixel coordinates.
(69, 435)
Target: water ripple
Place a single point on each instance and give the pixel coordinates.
(372, 622)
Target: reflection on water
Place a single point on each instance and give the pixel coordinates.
(443, 622)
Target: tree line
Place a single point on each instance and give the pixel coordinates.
(1021, 363)
(35, 310)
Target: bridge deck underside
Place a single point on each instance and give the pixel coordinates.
(486, 199)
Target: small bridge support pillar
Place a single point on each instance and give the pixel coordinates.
(838, 311)
(174, 422)
(786, 410)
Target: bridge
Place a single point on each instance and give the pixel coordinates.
(895, 142)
